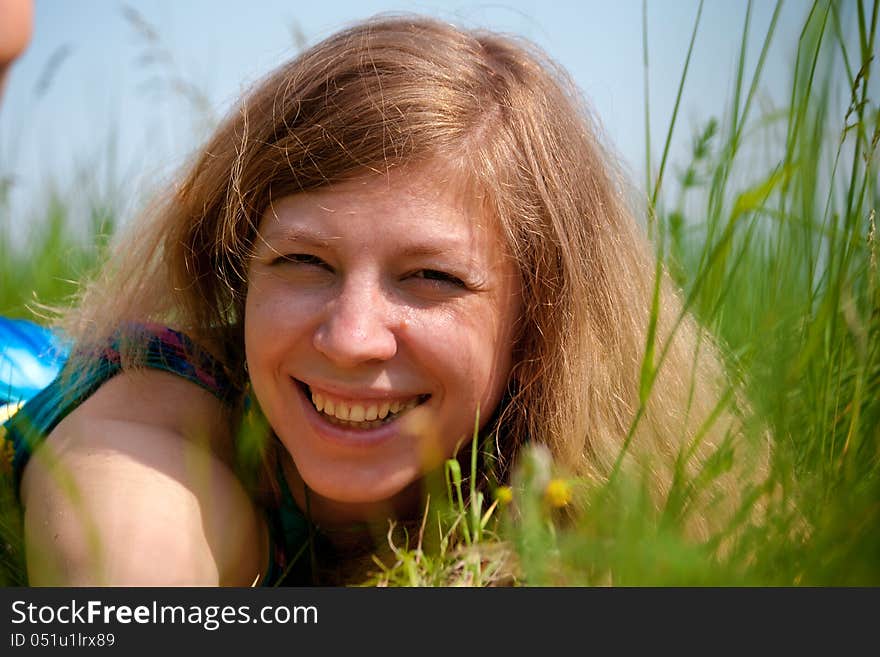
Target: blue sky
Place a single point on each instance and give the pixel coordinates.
(88, 111)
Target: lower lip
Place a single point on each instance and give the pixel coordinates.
(342, 435)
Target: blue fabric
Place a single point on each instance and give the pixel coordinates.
(31, 356)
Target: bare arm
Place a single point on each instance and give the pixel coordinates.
(134, 488)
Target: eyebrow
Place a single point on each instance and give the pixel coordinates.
(429, 250)
(297, 234)
(317, 239)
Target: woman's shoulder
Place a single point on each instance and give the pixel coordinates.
(136, 486)
(130, 476)
(161, 400)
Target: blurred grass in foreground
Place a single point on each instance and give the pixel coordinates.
(780, 262)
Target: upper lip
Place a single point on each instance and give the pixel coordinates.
(361, 394)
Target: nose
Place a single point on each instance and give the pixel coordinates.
(357, 327)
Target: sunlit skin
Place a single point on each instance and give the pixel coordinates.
(381, 289)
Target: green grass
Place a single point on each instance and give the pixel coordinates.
(44, 266)
(779, 259)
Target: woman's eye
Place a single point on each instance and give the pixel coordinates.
(302, 259)
(439, 277)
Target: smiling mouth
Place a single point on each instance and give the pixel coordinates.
(367, 414)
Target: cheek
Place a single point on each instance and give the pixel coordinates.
(272, 322)
(258, 350)
(469, 354)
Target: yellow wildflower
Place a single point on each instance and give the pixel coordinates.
(558, 493)
(504, 494)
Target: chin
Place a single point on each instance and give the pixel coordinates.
(397, 495)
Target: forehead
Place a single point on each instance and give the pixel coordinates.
(408, 203)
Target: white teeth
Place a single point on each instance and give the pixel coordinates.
(357, 413)
(360, 416)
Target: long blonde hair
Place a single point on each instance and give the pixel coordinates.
(404, 90)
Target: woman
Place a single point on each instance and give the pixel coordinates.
(409, 226)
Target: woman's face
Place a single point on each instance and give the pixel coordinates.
(379, 318)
